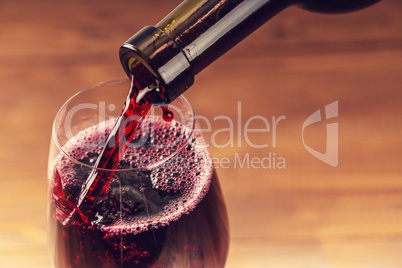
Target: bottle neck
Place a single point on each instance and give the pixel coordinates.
(191, 37)
(198, 32)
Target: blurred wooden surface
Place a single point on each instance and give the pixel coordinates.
(307, 215)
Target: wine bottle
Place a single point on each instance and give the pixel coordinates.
(198, 32)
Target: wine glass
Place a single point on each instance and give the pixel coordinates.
(163, 206)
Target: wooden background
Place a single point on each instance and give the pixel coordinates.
(306, 215)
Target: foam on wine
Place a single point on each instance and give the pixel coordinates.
(164, 165)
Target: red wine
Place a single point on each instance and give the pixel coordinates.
(136, 107)
(147, 217)
(167, 114)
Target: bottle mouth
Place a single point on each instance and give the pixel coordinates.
(152, 51)
(82, 124)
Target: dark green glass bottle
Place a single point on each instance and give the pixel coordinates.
(198, 32)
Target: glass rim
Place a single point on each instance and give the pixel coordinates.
(149, 167)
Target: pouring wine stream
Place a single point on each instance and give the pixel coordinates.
(135, 109)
